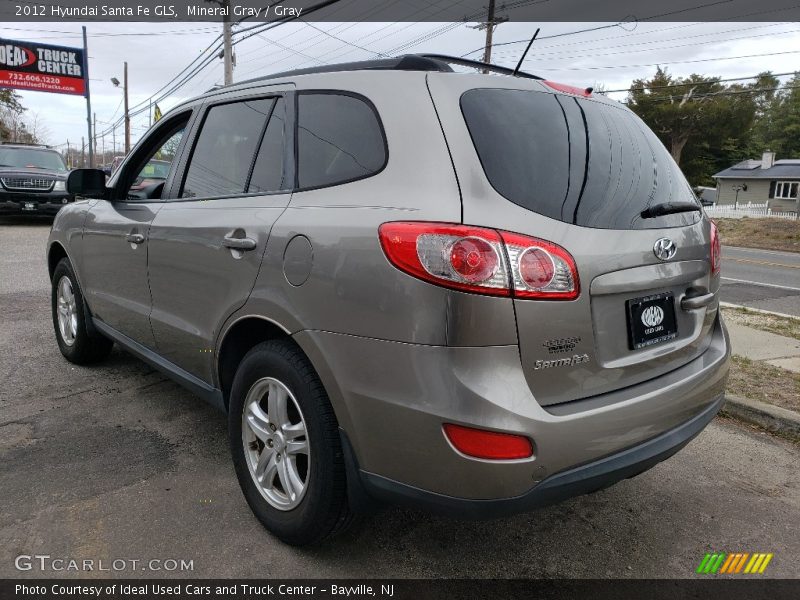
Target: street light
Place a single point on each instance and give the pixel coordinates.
(124, 87)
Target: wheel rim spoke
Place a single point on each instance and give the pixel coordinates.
(258, 422)
(297, 447)
(267, 467)
(276, 405)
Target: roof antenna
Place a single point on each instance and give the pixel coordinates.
(524, 54)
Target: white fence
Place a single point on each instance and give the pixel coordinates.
(729, 211)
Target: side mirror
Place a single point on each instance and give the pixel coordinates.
(89, 183)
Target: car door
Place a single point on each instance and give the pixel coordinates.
(115, 244)
(206, 245)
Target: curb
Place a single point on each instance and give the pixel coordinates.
(759, 310)
(774, 419)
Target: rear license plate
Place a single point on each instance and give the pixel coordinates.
(29, 206)
(651, 320)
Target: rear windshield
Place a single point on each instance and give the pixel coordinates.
(578, 161)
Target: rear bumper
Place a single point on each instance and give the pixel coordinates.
(391, 400)
(577, 481)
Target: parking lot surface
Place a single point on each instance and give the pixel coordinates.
(116, 462)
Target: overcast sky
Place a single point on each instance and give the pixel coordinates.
(610, 56)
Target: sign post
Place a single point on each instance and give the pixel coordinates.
(88, 97)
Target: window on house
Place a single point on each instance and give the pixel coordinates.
(786, 190)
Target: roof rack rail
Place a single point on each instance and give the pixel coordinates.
(405, 62)
(476, 64)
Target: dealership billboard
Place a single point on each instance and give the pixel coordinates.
(42, 67)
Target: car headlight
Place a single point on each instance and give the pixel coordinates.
(60, 186)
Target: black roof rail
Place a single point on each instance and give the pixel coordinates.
(476, 64)
(406, 62)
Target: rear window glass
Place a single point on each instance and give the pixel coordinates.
(578, 161)
(339, 139)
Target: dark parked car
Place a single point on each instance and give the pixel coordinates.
(32, 180)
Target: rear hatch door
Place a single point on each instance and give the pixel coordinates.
(580, 172)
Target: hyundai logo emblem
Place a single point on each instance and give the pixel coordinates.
(665, 249)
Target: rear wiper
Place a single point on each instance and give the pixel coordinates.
(669, 208)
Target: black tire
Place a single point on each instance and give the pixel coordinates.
(323, 510)
(86, 348)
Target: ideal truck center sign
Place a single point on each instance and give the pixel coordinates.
(40, 67)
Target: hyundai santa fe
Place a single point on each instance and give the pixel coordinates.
(477, 293)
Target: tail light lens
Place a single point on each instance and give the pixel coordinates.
(485, 261)
(540, 269)
(716, 250)
(491, 445)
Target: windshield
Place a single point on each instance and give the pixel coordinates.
(31, 158)
(579, 161)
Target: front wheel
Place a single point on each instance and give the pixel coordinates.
(285, 444)
(70, 320)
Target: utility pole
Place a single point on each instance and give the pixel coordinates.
(489, 25)
(227, 48)
(127, 114)
(83, 151)
(94, 133)
(69, 155)
(87, 95)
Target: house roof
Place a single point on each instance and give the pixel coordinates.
(786, 168)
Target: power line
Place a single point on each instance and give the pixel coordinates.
(676, 62)
(330, 35)
(689, 84)
(732, 93)
(658, 41)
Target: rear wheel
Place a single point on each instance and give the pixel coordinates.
(285, 445)
(70, 318)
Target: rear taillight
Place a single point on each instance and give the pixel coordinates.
(490, 445)
(484, 261)
(540, 269)
(716, 249)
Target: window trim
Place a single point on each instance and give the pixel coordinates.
(274, 96)
(145, 147)
(334, 92)
(781, 184)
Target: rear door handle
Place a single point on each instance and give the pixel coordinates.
(135, 238)
(695, 302)
(239, 243)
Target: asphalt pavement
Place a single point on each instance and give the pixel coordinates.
(116, 462)
(763, 279)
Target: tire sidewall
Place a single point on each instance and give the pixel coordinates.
(302, 523)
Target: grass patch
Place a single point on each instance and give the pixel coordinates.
(770, 323)
(769, 234)
(767, 383)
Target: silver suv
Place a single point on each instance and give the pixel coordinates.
(476, 293)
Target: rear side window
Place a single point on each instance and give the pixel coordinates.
(224, 152)
(579, 161)
(339, 139)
